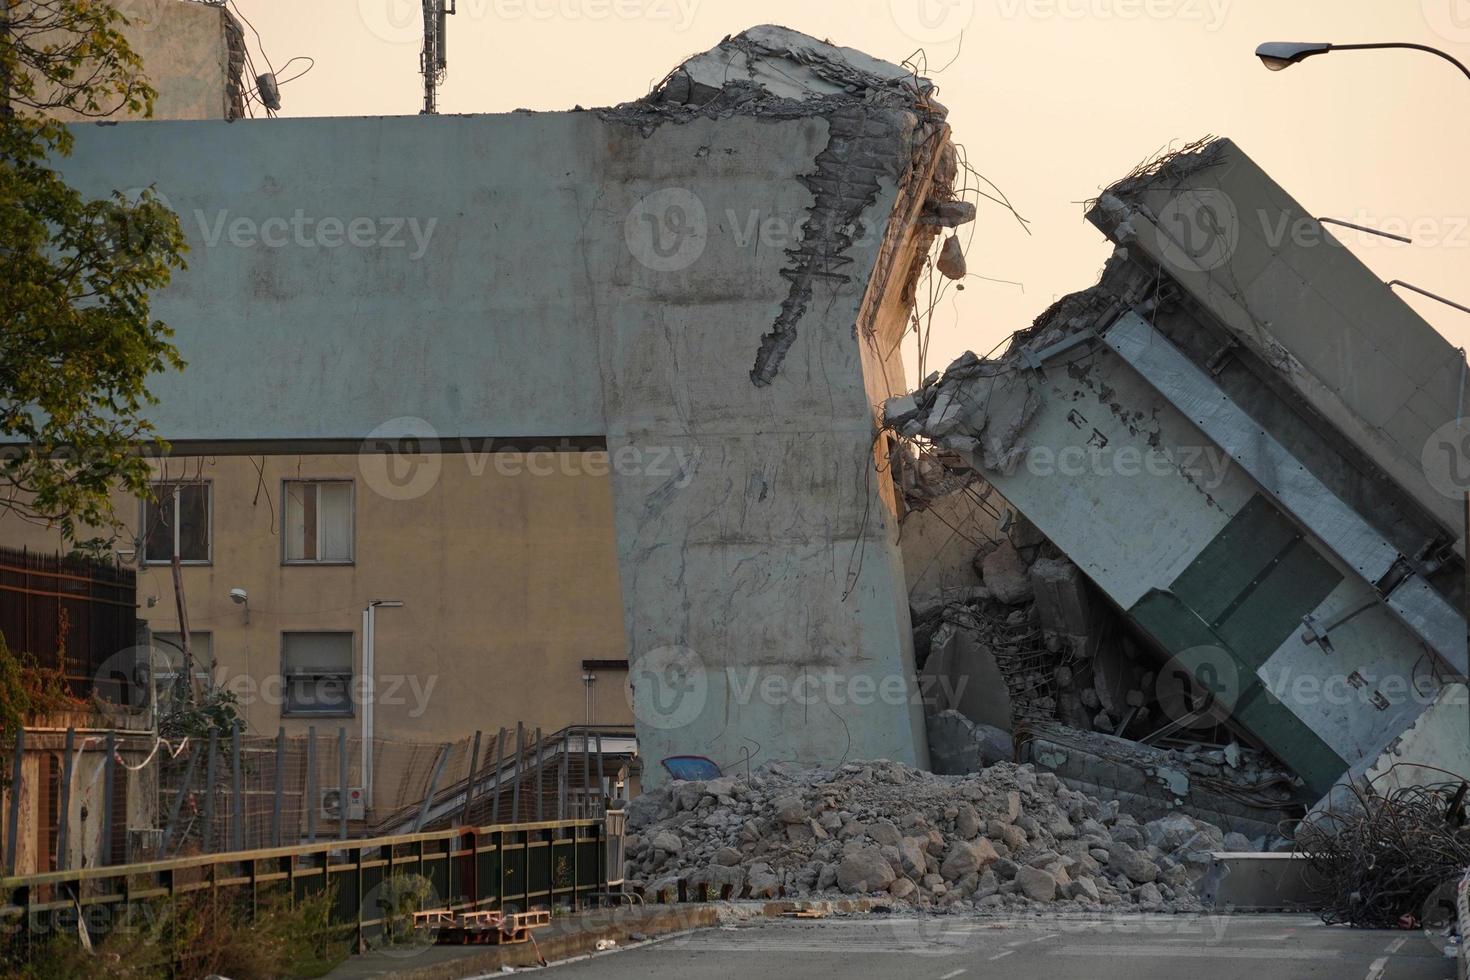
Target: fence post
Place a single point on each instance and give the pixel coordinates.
(211, 777)
(280, 787)
(499, 751)
(469, 786)
(602, 790)
(586, 774)
(540, 764)
(561, 776)
(109, 787)
(12, 832)
(237, 791)
(65, 802)
(342, 783)
(515, 784)
(313, 790)
(173, 811)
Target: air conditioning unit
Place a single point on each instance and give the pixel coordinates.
(331, 808)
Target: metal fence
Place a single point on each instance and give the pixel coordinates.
(72, 614)
(247, 791)
(562, 864)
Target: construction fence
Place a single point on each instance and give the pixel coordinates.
(243, 792)
(83, 797)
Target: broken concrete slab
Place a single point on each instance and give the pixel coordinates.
(1276, 490)
(958, 745)
(1170, 784)
(1061, 598)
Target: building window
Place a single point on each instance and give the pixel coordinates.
(318, 517)
(176, 522)
(168, 659)
(317, 668)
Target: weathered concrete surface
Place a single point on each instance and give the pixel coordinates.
(1286, 290)
(611, 276)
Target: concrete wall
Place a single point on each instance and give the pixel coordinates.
(532, 304)
(505, 564)
(186, 55)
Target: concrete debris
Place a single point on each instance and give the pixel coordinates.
(785, 64)
(958, 745)
(978, 409)
(1005, 837)
(1214, 535)
(1253, 796)
(1006, 576)
(951, 263)
(948, 214)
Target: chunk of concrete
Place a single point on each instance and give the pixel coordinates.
(1006, 576)
(951, 262)
(864, 870)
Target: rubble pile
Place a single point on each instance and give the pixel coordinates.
(1007, 837)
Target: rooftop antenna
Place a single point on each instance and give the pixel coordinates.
(433, 61)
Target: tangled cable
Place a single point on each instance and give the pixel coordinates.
(1377, 857)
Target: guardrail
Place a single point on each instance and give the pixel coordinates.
(502, 867)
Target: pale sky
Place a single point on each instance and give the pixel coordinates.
(1053, 99)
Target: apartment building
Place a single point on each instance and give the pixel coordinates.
(492, 582)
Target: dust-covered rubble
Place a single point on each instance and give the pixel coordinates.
(1007, 837)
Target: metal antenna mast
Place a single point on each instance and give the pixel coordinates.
(432, 60)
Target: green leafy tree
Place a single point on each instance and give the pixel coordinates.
(77, 339)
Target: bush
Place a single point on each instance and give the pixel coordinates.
(192, 937)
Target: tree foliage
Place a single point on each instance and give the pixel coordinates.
(78, 343)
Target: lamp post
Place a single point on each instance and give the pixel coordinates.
(1277, 55)
(369, 694)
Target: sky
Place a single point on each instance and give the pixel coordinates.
(1052, 100)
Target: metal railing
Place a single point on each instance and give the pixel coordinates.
(509, 867)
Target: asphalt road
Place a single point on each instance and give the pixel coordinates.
(1255, 947)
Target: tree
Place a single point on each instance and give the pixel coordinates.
(77, 339)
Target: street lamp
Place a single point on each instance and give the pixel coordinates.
(369, 693)
(1277, 55)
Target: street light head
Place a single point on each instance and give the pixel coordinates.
(1277, 55)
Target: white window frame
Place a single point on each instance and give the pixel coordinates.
(154, 485)
(317, 482)
(200, 674)
(350, 711)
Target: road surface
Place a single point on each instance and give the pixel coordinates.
(1133, 947)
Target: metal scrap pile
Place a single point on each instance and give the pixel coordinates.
(1390, 859)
